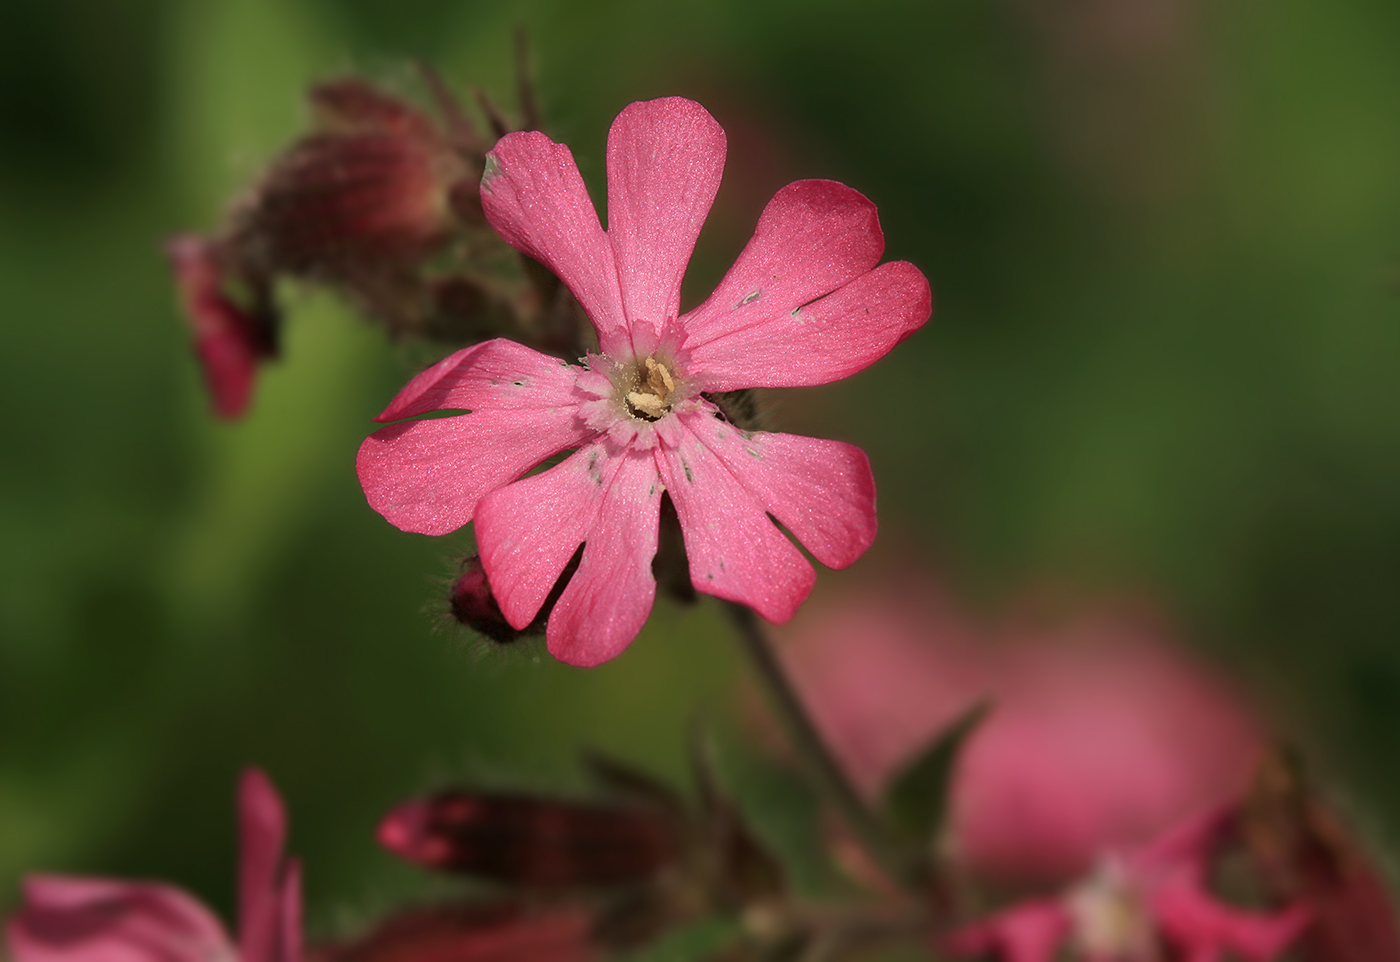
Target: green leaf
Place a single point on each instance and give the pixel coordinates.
(917, 799)
(690, 943)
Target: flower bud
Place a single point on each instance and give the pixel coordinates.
(532, 842)
(474, 606)
(231, 335)
(373, 183)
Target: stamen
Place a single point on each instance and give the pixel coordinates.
(652, 398)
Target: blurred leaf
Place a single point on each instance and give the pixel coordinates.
(744, 869)
(630, 783)
(689, 943)
(917, 799)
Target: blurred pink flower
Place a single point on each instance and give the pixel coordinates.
(805, 304)
(1133, 905)
(1101, 735)
(69, 919)
(230, 338)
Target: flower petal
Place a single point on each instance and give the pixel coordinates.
(105, 920)
(428, 476)
(527, 531)
(262, 829)
(824, 341)
(289, 913)
(534, 196)
(1201, 926)
(1029, 932)
(821, 491)
(813, 237)
(492, 375)
(735, 551)
(665, 158)
(608, 599)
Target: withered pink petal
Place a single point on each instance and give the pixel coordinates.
(527, 531)
(813, 237)
(495, 374)
(1029, 932)
(735, 551)
(821, 491)
(665, 158)
(608, 599)
(534, 196)
(262, 829)
(64, 919)
(428, 476)
(823, 341)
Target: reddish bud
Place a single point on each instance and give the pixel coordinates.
(230, 338)
(474, 606)
(534, 842)
(373, 183)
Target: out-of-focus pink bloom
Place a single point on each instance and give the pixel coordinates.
(1101, 736)
(67, 919)
(230, 339)
(1133, 906)
(805, 304)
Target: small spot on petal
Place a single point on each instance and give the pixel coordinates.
(688, 476)
(749, 299)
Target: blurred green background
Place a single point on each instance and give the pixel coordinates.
(1164, 238)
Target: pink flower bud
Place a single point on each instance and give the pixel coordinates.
(529, 841)
(373, 182)
(231, 336)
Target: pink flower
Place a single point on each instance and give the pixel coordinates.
(805, 304)
(67, 919)
(1101, 735)
(1133, 906)
(230, 339)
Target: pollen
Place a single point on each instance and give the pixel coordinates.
(652, 399)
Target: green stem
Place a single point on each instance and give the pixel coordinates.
(808, 743)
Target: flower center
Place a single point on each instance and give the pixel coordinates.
(651, 400)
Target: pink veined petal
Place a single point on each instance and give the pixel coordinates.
(105, 920)
(735, 550)
(813, 237)
(262, 829)
(665, 158)
(822, 491)
(428, 476)
(491, 375)
(608, 599)
(1030, 932)
(824, 341)
(527, 531)
(534, 196)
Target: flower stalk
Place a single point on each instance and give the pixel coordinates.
(807, 742)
